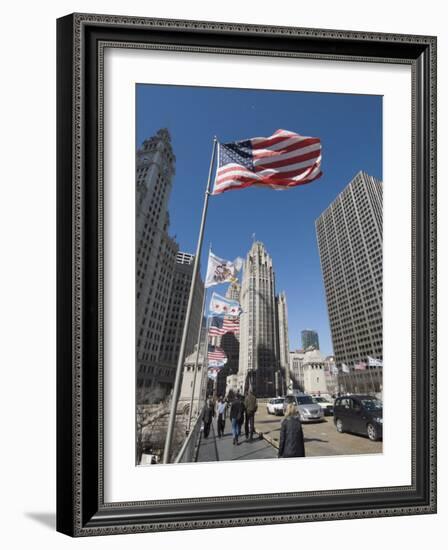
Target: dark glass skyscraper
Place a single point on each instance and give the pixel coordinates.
(310, 338)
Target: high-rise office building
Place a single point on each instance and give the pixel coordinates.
(258, 360)
(177, 308)
(310, 339)
(350, 239)
(163, 275)
(155, 257)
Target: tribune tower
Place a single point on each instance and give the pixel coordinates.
(259, 356)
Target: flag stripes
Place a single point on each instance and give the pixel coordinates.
(220, 326)
(283, 160)
(216, 354)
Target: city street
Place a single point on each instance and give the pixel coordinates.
(321, 438)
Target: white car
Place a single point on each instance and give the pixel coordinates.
(325, 403)
(275, 406)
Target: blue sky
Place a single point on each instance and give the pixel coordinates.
(350, 129)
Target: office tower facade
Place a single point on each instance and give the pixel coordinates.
(155, 258)
(163, 274)
(310, 339)
(283, 341)
(258, 357)
(177, 308)
(350, 239)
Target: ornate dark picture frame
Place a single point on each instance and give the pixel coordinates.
(81, 40)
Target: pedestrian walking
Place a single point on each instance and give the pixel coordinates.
(251, 406)
(291, 434)
(236, 414)
(243, 413)
(207, 416)
(221, 410)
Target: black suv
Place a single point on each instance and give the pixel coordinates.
(360, 414)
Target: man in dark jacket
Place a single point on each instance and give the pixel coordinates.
(241, 421)
(221, 411)
(207, 416)
(236, 414)
(251, 406)
(291, 434)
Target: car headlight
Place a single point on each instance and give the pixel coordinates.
(379, 420)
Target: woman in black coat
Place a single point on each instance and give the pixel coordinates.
(291, 434)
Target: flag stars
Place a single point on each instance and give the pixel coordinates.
(237, 153)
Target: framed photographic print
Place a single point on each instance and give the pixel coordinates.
(246, 274)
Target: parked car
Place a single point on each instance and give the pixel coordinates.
(325, 403)
(275, 406)
(360, 414)
(309, 410)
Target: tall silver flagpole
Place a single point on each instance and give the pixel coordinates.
(198, 344)
(371, 377)
(353, 381)
(204, 380)
(181, 358)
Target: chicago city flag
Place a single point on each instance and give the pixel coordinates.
(223, 306)
(221, 271)
(280, 161)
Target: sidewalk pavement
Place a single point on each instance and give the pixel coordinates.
(215, 449)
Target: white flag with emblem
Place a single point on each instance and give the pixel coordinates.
(221, 271)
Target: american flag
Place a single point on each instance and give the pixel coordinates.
(280, 161)
(221, 325)
(216, 356)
